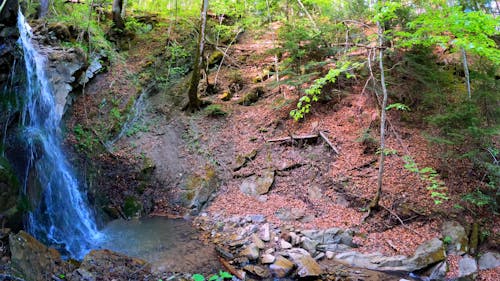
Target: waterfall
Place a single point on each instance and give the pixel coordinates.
(62, 218)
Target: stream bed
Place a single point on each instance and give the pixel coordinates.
(170, 245)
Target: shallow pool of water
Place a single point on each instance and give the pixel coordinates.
(170, 245)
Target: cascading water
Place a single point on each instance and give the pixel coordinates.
(62, 218)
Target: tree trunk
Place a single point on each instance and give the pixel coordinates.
(466, 71)
(117, 14)
(376, 199)
(194, 102)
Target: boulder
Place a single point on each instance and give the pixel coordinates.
(265, 232)
(109, 265)
(309, 245)
(306, 265)
(455, 237)
(267, 259)
(290, 214)
(428, 253)
(251, 96)
(258, 185)
(34, 261)
(281, 267)
(489, 260)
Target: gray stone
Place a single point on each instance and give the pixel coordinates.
(285, 245)
(290, 214)
(294, 238)
(329, 255)
(309, 245)
(82, 275)
(267, 259)
(455, 236)
(337, 248)
(258, 185)
(251, 252)
(258, 242)
(306, 265)
(314, 192)
(319, 256)
(257, 218)
(430, 252)
(281, 267)
(489, 260)
(467, 268)
(265, 232)
(438, 272)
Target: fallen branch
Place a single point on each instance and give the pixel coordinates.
(291, 138)
(239, 274)
(399, 219)
(325, 138)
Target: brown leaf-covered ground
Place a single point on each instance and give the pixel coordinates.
(328, 189)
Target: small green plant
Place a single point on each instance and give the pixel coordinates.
(214, 110)
(85, 140)
(314, 91)
(447, 240)
(398, 106)
(216, 277)
(430, 176)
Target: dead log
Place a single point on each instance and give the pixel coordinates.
(293, 137)
(325, 138)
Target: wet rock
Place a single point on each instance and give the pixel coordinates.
(59, 30)
(251, 252)
(455, 236)
(267, 259)
(32, 260)
(199, 190)
(306, 265)
(109, 265)
(259, 271)
(281, 267)
(467, 268)
(489, 260)
(9, 193)
(258, 185)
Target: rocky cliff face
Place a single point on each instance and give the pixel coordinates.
(8, 107)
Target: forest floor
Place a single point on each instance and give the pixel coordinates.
(320, 187)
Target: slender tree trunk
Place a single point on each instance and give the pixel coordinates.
(308, 15)
(376, 199)
(466, 71)
(117, 14)
(194, 102)
(124, 9)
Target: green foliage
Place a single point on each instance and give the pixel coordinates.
(214, 110)
(313, 92)
(452, 27)
(86, 142)
(447, 240)
(216, 277)
(398, 106)
(431, 177)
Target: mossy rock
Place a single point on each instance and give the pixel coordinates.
(10, 205)
(131, 207)
(147, 168)
(252, 96)
(61, 31)
(215, 58)
(226, 96)
(199, 190)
